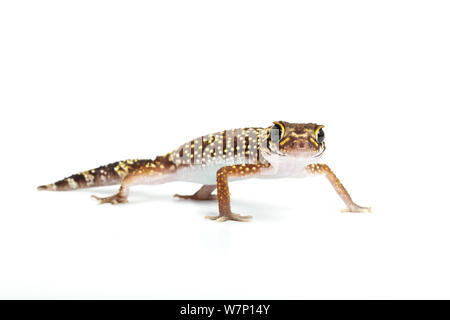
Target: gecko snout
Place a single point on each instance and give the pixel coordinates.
(299, 145)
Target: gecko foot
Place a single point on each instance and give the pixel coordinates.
(196, 197)
(232, 216)
(356, 208)
(115, 199)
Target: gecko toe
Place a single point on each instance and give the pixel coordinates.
(358, 209)
(238, 217)
(195, 197)
(232, 216)
(115, 199)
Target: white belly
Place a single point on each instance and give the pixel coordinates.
(198, 174)
(285, 167)
(281, 167)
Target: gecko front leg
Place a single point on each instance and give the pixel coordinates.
(323, 169)
(223, 192)
(204, 193)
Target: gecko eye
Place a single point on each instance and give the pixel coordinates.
(320, 136)
(276, 133)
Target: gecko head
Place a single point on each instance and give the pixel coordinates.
(300, 140)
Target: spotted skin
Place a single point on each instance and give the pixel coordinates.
(224, 146)
(111, 174)
(282, 150)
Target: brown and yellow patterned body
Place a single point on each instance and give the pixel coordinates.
(282, 150)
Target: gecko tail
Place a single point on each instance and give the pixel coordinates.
(107, 175)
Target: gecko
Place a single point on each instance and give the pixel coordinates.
(279, 151)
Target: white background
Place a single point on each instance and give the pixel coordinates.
(85, 83)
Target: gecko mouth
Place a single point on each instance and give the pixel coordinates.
(321, 153)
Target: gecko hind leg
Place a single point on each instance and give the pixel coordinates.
(147, 172)
(204, 193)
(119, 197)
(122, 195)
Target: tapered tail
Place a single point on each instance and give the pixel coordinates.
(108, 175)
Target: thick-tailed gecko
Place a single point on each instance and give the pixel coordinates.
(281, 150)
